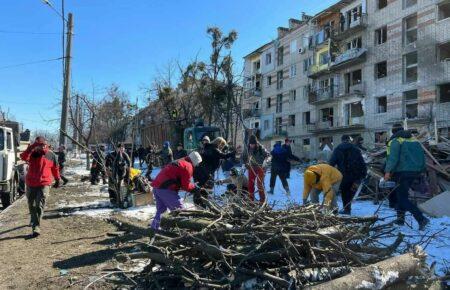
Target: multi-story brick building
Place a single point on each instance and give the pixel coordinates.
(355, 68)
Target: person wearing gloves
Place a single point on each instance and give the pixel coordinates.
(405, 162)
(42, 170)
(174, 177)
(322, 178)
(254, 158)
(237, 183)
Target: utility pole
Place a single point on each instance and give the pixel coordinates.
(76, 127)
(66, 88)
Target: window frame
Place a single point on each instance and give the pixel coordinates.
(412, 66)
(407, 30)
(377, 70)
(377, 107)
(379, 35)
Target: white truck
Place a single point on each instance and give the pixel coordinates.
(12, 169)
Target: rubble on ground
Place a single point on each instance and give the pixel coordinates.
(237, 244)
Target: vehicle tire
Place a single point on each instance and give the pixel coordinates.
(8, 197)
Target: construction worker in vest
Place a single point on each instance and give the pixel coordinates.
(405, 162)
(174, 177)
(322, 178)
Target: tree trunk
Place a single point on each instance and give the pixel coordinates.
(381, 274)
(88, 160)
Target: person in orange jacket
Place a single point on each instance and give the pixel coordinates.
(322, 178)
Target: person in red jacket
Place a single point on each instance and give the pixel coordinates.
(174, 177)
(42, 170)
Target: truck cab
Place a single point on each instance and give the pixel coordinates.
(193, 136)
(9, 175)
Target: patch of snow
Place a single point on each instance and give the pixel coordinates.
(366, 285)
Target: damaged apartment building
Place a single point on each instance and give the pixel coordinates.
(355, 68)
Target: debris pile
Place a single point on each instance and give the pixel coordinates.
(238, 244)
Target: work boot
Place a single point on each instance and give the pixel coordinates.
(423, 223)
(345, 211)
(36, 231)
(270, 191)
(65, 181)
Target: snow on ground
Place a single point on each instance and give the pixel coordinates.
(435, 239)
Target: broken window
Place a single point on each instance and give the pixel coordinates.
(381, 70)
(307, 141)
(293, 70)
(326, 143)
(326, 115)
(256, 125)
(324, 58)
(444, 51)
(269, 81)
(381, 35)
(355, 43)
(353, 113)
(307, 118)
(291, 120)
(381, 104)
(410, 29)
(280, 79)
(410, 67)
(278, 125)
(382, 4)
(444, 93)
(411, 104)
(444, 10)
(356, 77)
(268, 58)
(268, 103)
(409, 3)
(280, 55)
(279, 108)
(292, 95)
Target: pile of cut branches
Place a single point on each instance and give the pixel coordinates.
(237, 243)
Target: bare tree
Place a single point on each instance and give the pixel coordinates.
(83, 122)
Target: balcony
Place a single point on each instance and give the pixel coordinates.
(323, 95)
(349, 28)
(317, 70)
(349, 57)
(251, 113)
(330, 94)
(254, 92)
(338, 124)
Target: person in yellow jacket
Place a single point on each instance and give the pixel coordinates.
(322, 178)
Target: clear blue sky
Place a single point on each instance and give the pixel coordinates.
(122, 42)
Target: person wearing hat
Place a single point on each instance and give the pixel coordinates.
(405, 162)
(43, 169)
(348, 159)
(237, 183)
(212, 154)
(254, 158)
(174, 177)
(322, 178)
(179, 152)
(166, 154)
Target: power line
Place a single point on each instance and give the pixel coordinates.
(31, 62)
(28, 32)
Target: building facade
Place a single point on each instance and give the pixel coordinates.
(355, 68)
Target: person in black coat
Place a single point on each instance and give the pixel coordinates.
(62, 162)
(348, 159)
(180, 152)
(281, 166)
(287, 146)
(212, 154)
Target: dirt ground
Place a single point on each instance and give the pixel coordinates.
(72, 251)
